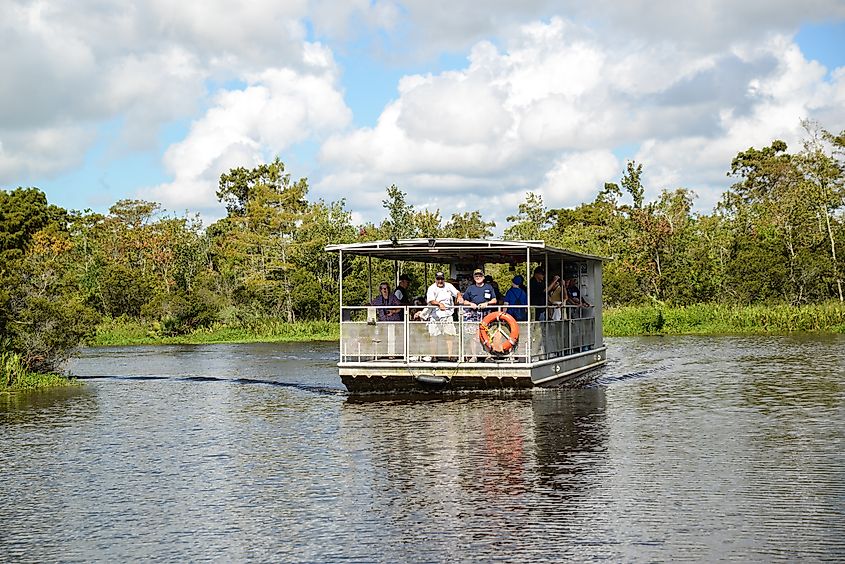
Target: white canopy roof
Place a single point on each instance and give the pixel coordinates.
(460, 250)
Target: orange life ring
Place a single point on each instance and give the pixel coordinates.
(486, 339)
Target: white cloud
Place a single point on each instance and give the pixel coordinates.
(73, 67)
(550, 91)
(546, 112)
(245, 127)
(41, 151)
(423, 28)
(458, 111)
(780, 99)
(574, 177)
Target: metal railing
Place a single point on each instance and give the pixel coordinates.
(364, 337)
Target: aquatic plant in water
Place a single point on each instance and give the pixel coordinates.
(14, 375)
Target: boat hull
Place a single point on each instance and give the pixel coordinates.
(452, 376)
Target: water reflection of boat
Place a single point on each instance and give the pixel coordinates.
(402, 355)
(488, 467)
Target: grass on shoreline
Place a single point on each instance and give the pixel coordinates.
(701, 319)
(713, 319)
(119, 332)
(15, 377)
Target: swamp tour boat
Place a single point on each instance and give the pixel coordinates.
(424, 346)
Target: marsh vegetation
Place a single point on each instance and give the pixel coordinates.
(766, 259)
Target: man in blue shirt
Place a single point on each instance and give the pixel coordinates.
(516, 296)
(475, 299)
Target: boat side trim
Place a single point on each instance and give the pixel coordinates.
(548, 379)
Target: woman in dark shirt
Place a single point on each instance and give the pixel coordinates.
(385, 299)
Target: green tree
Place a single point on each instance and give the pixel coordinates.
(43, 317)
(775, 219)
(315, 287)
(531, 220)
(400, 220)
(824, 187)
(632, 183)
(253, 244)
(468, 225)
(427, 224)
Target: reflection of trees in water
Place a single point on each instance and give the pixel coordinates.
(570, 434)
(57, 406)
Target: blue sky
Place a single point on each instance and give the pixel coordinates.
(463, 108)
(823, 42)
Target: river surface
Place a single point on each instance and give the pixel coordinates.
(684, 449)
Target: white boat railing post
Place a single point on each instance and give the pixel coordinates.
(407, 329)
(460, 333)
(528, 301)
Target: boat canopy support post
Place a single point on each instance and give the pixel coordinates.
(528, 300)
(340, 285)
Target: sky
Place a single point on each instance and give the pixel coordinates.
(464, 105)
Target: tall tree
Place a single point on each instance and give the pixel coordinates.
(254, 243)
(824, 186)
(770, 199)
(400, 219)
(531, 220)
(427, 223)
(468, 225)
(43, 317)
(632, 183)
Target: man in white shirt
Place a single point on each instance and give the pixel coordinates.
(441, 296)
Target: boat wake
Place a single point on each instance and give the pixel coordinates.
(243, 381)
(608, 379)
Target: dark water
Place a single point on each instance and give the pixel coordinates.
(696, 449)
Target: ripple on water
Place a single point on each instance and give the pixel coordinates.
(682, 449)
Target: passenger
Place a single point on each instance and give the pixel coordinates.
(383, 301)
(442, 296)
(454, 282)
(419, 312)
(386, 315)
(516, 296)
(489, 280)
(556, 299)
(573, 295)
(402, 294)
(475, 299)
(538, 293)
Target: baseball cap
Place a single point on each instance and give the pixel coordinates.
(477, 271)
(439, 275)
(518, 280)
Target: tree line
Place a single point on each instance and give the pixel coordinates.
(776, 236)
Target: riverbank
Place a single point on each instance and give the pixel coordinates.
(15, 377)
(711, 319)
(121, 332)
(702, 319)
